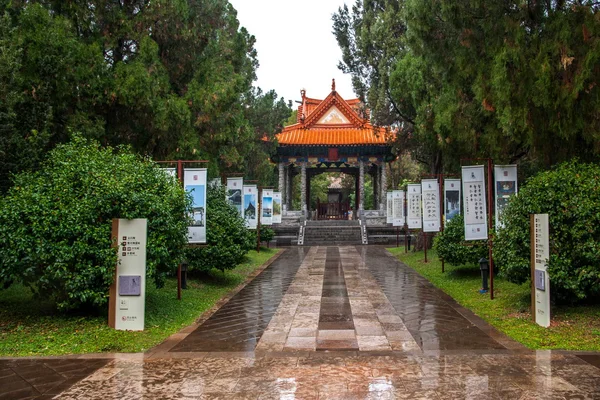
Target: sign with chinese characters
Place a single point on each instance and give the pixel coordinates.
(414, 217)
(389, 217)
(505, 178)
(276, 207)
(128, 292)
(474, 201)
(540, 253)
(266, 208)
(430, 190)
(194, 182)
(451, 198)
(398, 217)
(250, 202)
(234, 193)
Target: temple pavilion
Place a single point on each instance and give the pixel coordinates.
(333, 135)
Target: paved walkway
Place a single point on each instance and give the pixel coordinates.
(322, 323)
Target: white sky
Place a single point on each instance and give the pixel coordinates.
(295, 45)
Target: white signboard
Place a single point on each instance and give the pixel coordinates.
(451, 198)
(398, 218)
(474, 201)
(541, 254)
(390, 208)
(250, 203)
(276, 207)
(234, 193)
(414, 218)
(266, 208)
(171, 172)
(194, 182)
(505, 177)
(430, 190)
(130, 294)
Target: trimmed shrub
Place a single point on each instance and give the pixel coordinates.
(55, 223)
(228, 239)
(570, 195)
(452, 248)
(266, 234)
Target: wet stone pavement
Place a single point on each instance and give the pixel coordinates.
(332, 322)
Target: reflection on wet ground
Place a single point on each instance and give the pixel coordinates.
(324, 323)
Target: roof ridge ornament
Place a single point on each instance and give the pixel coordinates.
(333, 85)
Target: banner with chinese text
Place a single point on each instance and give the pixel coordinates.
(414, 217)
(194, 182)
(430, 190)
(250, 201)
(451, 198)
(266, 208)
(398, 208)
(234, 193)
(474, 200)
(505, 177)
(389, 218)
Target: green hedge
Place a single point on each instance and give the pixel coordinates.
(228, 239)
(570, 195)
(55, 224)
(452, 247)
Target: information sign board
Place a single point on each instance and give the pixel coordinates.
(474, 200)
(250, 202)
(398, 217)
(234, 193)
(276, 207)
(505, 178)
(414, 217)
(451, 198)
(266, 214)
(194, 182)
(430, 190)
(389, 217)
(540, 253)
(128, 292)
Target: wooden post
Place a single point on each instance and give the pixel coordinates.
(532, 252)
(425, 246)
(258, 203)
(397, 236)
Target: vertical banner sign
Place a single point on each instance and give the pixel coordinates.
(398, 218)
(505, 178)
(250, 201)
(390, 208)
(474, 203)
(451, 198)
(276, 207)
(234, 193)
(431, 205)
(194, 182)
(267, 207)
(128, 293)
(540, 253)
(414, 206)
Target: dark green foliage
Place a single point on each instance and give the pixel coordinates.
(228, 239)
(55, 224)
(570, 195)
(452, 247)
(266, 234)
(171, 78)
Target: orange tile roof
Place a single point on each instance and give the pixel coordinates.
(352, 129)
(328, 135)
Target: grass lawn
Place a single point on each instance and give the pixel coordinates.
(572, 328)
(29, 327)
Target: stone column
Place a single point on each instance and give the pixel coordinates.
(303, 189)
(289, 184)
(361, 185)
(383, 198)
(375, 181)
(281, 186)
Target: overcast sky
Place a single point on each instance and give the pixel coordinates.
(296, 47)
